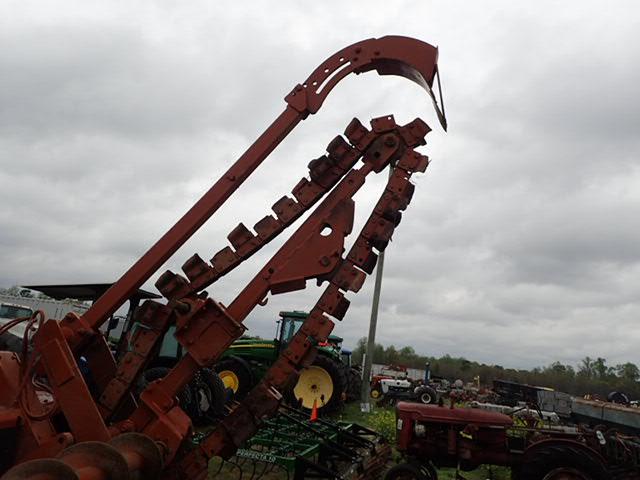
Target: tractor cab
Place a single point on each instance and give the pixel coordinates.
(289, 324)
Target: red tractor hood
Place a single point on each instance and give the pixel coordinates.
(434, 413)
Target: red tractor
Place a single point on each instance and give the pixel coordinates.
(431, 437)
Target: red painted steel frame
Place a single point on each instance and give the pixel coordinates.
(391, 55)
(155, 431)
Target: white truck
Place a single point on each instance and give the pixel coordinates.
(16, 306)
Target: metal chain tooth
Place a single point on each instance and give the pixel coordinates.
(319, 165)
(239, 236)
(224, 260)
(170, 284)
(383, 124)
(195, 267)
(348, 277)
(286, 209)
(307, 193)
(412, 162)
(338, 149)
(378, 231)
(363, 256)
(333, 302)
(355, 131)
(267, 228)
(414, 133)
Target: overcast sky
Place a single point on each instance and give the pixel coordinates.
(521, 245)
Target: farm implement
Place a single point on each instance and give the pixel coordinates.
(66, 406)
(292, 446)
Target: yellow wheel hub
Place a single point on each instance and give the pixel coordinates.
(375, 394)
(314, 383)
(230, 380)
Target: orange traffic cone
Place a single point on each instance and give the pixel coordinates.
(314, 411)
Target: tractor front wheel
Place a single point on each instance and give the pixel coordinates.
(426, 395)
(324, 383)
(375, 393)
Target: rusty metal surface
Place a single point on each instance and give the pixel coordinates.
(435, 413)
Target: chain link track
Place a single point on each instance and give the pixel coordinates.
(349, 275)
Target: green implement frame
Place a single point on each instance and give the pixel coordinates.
(293, 447)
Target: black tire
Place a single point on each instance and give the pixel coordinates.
(410, 471)
(156, 373)
(556, 459)
(618, 397)
(426, 395)
(355, 384)
(208, 397)
(10, 343)
(243, 374)
(337, 372)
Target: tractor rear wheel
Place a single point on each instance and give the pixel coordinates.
(561, 462)
(355, 384)
(236, 375)
(324, 382)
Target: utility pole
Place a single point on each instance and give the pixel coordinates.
(365, 393)
(365, 400)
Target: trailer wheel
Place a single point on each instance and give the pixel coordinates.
(426, 395)
(236, 374)
(411, 471)
(561, 462)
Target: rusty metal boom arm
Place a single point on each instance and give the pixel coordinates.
(390, 55)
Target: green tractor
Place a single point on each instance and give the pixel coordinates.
(328, 382)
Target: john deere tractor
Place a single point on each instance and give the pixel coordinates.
(328, 382)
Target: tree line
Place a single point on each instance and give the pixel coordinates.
(591, 376)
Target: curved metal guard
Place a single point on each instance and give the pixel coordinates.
(391, 55)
